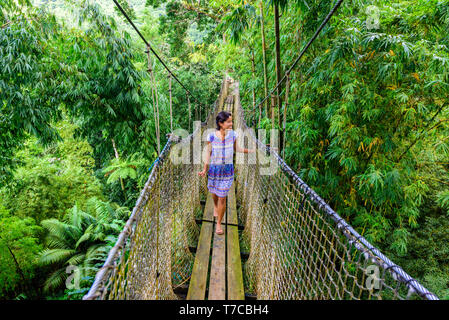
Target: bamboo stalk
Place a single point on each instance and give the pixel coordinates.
(287, 89)
(278, 55)
(264, 57)
(171, 111)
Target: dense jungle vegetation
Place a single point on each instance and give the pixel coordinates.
(366, 121)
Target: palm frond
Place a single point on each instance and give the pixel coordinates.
(55, 280)
(51, 256)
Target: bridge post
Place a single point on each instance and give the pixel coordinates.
(273, 99)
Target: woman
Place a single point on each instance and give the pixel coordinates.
(220, 151)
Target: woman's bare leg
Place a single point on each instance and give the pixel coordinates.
(215, 197)
(221, 211)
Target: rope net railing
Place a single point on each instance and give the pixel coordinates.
(151, 256)
(299, 247)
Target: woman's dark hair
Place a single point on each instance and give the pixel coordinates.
(222, 117)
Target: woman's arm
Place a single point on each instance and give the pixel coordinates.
(243, 150)
(206, 161)
(208, 153)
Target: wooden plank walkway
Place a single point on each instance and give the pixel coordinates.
(217, 280)
(235, 276)
(197, 286)
(225, 274)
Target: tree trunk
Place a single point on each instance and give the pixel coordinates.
(19, 270)
(190, 117)
(264, 55)
(117, 157)
(278, 55)
(253, 71)
(155, 103)
(273, 99)
(282, 142)
(199, 10)
(158, 133)
(171, 112)
(17, 264)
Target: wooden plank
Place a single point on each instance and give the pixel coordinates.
(232, 206)
(235, 275)
(198, 280)
(217, 281)
(209, 213)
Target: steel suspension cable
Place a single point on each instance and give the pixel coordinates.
(317, 32)
(154, 52)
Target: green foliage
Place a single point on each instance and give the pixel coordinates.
(128, 9)
(367, 121)
(236, 21)
(428, 255)
(103, 91)
(80, 239)
(19, 247)
(10, 8)
(122, 169)
(95, 77)
(371, 106)
(443, 199)
(52, 179)
(189, 31)
(29, 84)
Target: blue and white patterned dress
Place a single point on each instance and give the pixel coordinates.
(221, 167)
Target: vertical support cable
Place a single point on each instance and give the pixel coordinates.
(171, 111)
(157, 230)
(278, 60)
(287, 89)
(265, 80)
(196, 111)
(190, 117)
(273, 99)
(155, 101)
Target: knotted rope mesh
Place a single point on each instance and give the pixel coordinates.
(152, 255)
(299, 247)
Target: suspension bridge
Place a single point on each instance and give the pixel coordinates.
(282, 241)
